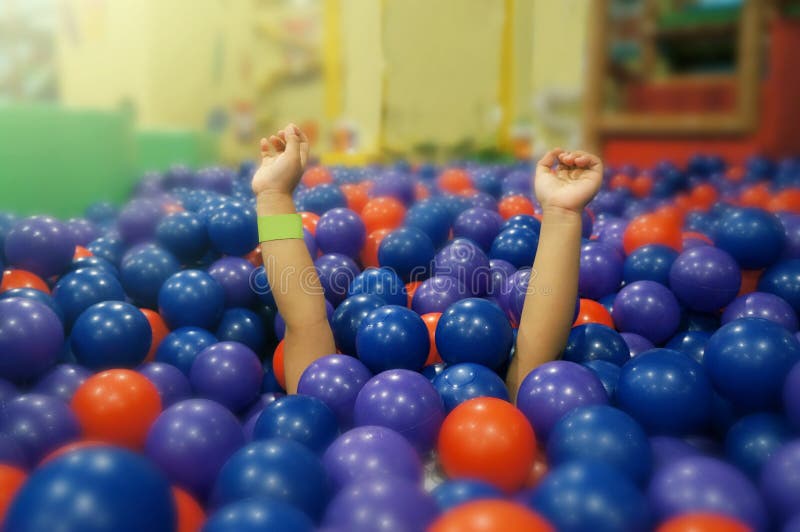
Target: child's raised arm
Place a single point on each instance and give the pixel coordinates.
(289, 268)
(564, 183)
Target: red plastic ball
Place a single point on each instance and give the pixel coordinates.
(591, 311)
(703, 196)
(641, 186)
(487, 439)
(81, 252)
(310, 221)
(117, 406)
(356, 196)
(755, 196)
(189, 512)
(431, 320)
(514, 205)
(11, 479)
(369, 253)
(68, 448)
(316, 175)
(383, 213)
(22, 279)
(652, 229)
(455, 180)
(703, 522)
(159, 329)
(491, 516)
(277, 365)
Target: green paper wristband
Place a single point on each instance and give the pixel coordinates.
(280, 227)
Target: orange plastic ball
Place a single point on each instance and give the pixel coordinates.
(383, 213)
(538, 470)
(421, 192)
(189, 512)
(619, 181)
(491, 515)
(749, 281)
(703, 522)
(68, 448)
(22, 279)
(755, 196)
(703, 196)
(694, 235)
(735, 174)
(277, 365)
(309, 221)
(316, 175)
(159, 329)
(591, 311)
(356, 196)
(411, 289)
(431, 320)
(651, 229)
(671, 213)
(172, 208)
(255, 257)
(514, 205)
(785, 201)
(369, 253)
(11, 479)
(81, 252)
(487, 439)
(454, 180)
(117, 406)
(641, 186)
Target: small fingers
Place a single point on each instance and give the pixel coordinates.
(278, 143)
(550, 158)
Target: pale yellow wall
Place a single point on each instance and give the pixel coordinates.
(558, 54)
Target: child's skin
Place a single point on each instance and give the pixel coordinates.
(564, 183)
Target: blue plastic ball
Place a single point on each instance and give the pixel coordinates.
(454, 493)
(608, 373)
(465, 381)
(392, 337)
(302, 418)
(185, 235)
(257, 514)
(79, 290)
(752, 440)
(191, 298)
(474, 330)
(408, 251)
(321, 199)
(348, 316)
(525, 221)
(783, 280)
(34, 295)
(109, 247)
(143, 270)
(244, 326)
(181, 346)
(232, 229)
(111, 335)
(692, 343)
(754, 237)
(649, 263)
(432, 218)
(516, 245)
(593, 341)
(381, 282)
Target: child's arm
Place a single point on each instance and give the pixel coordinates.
(549, 307)
(289, 268)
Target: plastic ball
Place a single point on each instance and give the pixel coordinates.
(783, 280)
(479, 225)
(453, 493)
(234, 276)
(648, 309)
(117, 406)
(304, 419)
(487, 439)
(580, 496)
(465, 381)
(181, 346)
(336, 381)
(39, 424)
(593, 341)
(94, 262)
(466, 262)
(515, 205)
(341, 231)
(636, 343)
(257, 514)
(31, 338)
(381, 504)
(111, 335)
(61, 381)
(748, 359)
(382, 213)
(702, 522)
(336, 274)
(607, 372)
(278, 468)
(82, 491)
(382, 282)
(370, 452)
(11, 479)
(35, 295)
(600, 270)
(753, 237)
(474, 330)
(437, 294)
(791, 396)
(191, 440)
(243, 326)
(172, 385)
(601, 433)
(393, 184)
(590, 311)
(705, 279)
(369, 253)
(185, 235)
(516, 245)
(692, 343)
(108, 247)
(348, 316)
(702, 484)
(78, 290)
(752, 440)
(137, 221)
(432, 218)
(189, 513)
(143, 270)
(232, 228)
(554, 389)
(392, 337)
(651, 229)
(490, 515)
(762, 305)
(228, 373)
(780, 483)
(404, 401)
(41, 245)
(665, 391)
(408, 251)
(191, 298)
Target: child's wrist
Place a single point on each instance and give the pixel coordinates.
(562, 215)
(274, 202)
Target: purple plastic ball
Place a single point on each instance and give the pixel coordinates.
(600, 270)
(370, 452)
(227, 372)
(336, 272)
(341, 231)
(791, 395)
(395, 185)
(61, 381)
(250, 416)
(41, 245)
(465, 261)
(701, 484)
(171, 383)
(233, 274)
(761, 305)
(31, 338)
(191, 440)
(381, 504)
(436, 294)
(138, 220)
(637, 344)
(705, 278)
(336, 381)
(404, 401)
(555, 388)
(669, 449)
(791, 226)
(648, 309)
(39, 424)
(83, 231)
(479, 225)
(612, 231)
(780, 481)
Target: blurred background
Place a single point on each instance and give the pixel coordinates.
(95, 92)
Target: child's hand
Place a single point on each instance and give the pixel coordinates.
(283, 159)
(572, 183)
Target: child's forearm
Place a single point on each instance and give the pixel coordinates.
(550, 302)
(298, 294)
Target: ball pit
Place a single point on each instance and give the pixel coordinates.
(150, 327)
